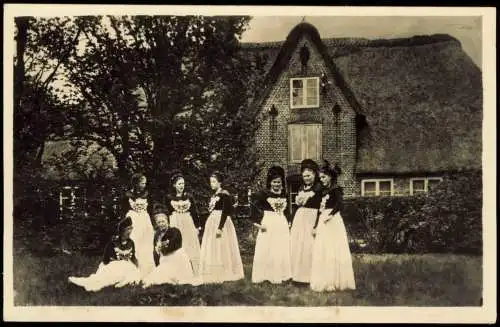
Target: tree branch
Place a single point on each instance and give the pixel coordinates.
(63, 58)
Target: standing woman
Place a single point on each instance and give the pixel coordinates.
(308, 199)
(220, 255)
(331, 261)
(184, 216)
(271, 260)
(143, 232)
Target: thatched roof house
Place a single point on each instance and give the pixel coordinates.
(70, 160)
(414, 105)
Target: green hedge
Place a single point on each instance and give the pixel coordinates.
(446, 220)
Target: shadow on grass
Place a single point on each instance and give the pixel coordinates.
(381, 280)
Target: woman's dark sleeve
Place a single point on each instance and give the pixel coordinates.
(175, 241)
(318, 196)
(167, 205)
(317, 219)
(288, 214)
(124, 205)
(227, 209)
(337, 201)
(108, 253)
(156, 255)
(193, 210)
(256, 210)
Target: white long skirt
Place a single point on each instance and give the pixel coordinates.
(190, 242)
(271, 260)
(143, 236)
(220, 258)
(331, 261)
(301, 240)
(174, 268)
(116, 273)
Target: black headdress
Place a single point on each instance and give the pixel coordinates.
(159, 209)
(175, 176)
(124, 224)
(308, 164)
(275, 172)
(218, 175)
(334, 171)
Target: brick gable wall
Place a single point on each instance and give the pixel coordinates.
(338, 126)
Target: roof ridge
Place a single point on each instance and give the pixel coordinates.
(414, 40)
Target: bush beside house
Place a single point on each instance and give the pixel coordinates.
(447, 220)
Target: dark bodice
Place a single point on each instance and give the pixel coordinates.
(181, 204)
(166, 242)
(269, 201)
(331, 199)
(116, 251)
(222, 201)
(313, 196)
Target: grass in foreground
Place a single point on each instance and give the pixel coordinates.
(381, 280)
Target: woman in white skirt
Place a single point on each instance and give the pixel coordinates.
(331, 261)
(271, 261)
(118, 266)
(172, 262)
(220, 254)
(184, 216)
(143, 231)
(308, 200)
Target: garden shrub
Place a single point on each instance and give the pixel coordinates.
(446, 220)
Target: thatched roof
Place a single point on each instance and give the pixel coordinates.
(76, 160)
(421, 98)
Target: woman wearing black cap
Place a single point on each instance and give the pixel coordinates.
(220, 258)
(308, 200)
(119, 264)
(331, 260)
(271, 260)
(171, 260)
(184, 216)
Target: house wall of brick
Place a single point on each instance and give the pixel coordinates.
(338, 126)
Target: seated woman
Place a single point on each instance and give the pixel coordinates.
(172, 263)
(119, 264)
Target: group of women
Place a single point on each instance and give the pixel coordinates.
(310, 248)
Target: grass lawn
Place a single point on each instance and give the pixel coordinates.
(382, 280)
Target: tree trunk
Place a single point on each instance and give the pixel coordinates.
(124, 155)
(22, 24)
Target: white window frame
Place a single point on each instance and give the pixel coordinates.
(377, 182)
(304, 89)
(319, 142)
(426, 183)
(72, 197)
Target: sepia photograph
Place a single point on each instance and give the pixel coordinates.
(218, 163)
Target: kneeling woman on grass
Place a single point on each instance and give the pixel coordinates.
(220, 259)
(331, 259)
(271, 260)
(172, 262)
(119, 264)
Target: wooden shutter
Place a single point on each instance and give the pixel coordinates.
(313, 142)
(295, 142)
(304, 142)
